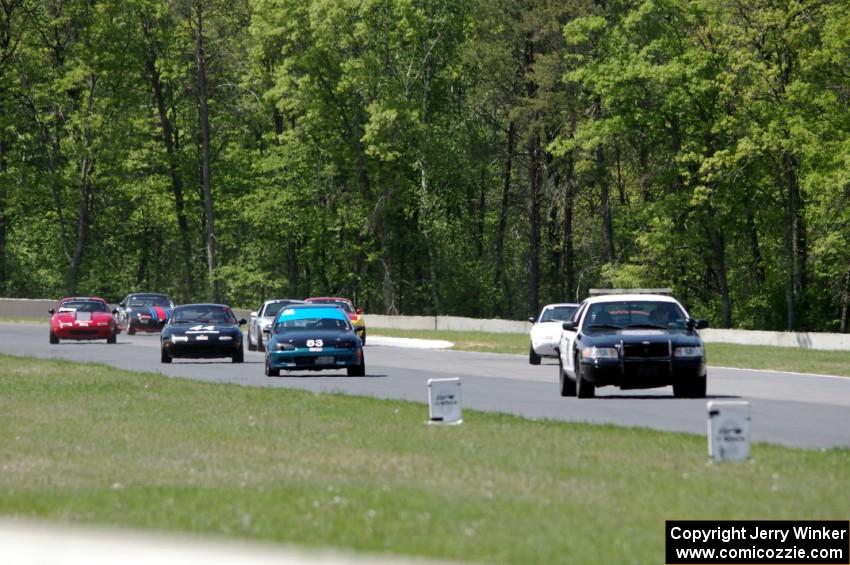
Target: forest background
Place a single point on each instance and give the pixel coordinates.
(465, 157)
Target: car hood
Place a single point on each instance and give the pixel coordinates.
(641, 335)
(299, 338)
(72, 316)
(158, 313)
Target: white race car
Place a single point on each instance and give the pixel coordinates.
(263, 318)
(546, 331)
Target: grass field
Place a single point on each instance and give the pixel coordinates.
(92, 444)
(719, 354)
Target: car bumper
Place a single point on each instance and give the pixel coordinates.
(545, 348)
(199, 349)
(645, 373)
(84, 332)
(147, 325)
(303, 359)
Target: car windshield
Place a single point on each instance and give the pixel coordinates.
(273, 308)
(318, 323)
(203, 315)
(635, 314)
(345, 305)
(149, 301)
(558, 314)
(84, 306)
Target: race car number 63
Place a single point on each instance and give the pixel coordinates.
(315, 343)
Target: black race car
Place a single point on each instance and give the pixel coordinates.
(143, 312)
(202, 331)
(631, 341)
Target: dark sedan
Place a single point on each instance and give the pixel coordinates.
(202, 331)
(631, 341)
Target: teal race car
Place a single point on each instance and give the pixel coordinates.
(313, 337)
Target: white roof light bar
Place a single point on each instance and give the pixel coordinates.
(603, 291)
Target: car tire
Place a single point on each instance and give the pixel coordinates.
(260, 345)
(584, 388)
(358, 370)
(240, 355)
(131, 330)
(112, 338)
(164, 356)
(568, 385)
(53, 338)
(269, 371)
(533, 357)
(251, 346)
(691, 388)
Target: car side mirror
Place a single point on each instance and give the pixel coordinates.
(360, 311)
(253, 315)
(242, 321)
(696, 324)
(115, 311)
(51, 311)
(531, 319)
(267, 330)
(569, 326)
(122, 305)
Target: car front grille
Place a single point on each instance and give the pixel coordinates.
(645, 351)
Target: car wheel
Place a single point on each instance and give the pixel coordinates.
(240, 355)
(251, 346)
(53, 339)
(271, 372)
(584, 388)
(533, 357)
(112, 338)
(568, 385)
(164, 356)
(357, 370)
(131, 329)
(260, 345)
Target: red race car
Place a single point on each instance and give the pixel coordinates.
(82, 317)
(355, 315)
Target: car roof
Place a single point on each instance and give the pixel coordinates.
(328, 298)
(147, 294)
(208, 304)
(631, 298)
(92, 298)
(291, 300)
(557, 304)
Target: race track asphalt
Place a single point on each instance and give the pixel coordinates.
(786, 408)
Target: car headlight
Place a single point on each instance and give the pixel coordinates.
(283, 346)
(225, 337)
(688, 351)
(594, 353)
(346, 344)
(177, 338)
